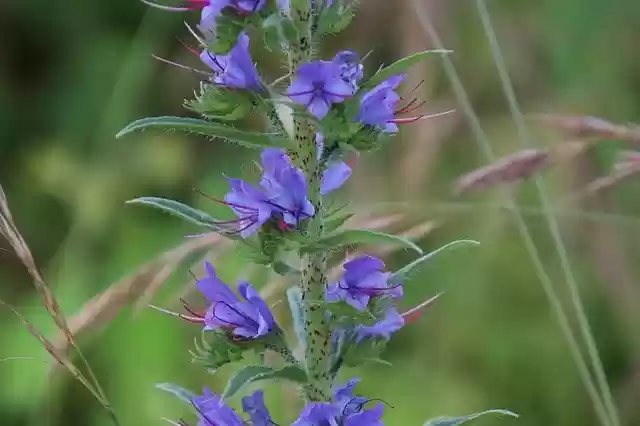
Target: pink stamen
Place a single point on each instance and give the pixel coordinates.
(415, 313)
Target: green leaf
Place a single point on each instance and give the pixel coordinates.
(346, 316)
(217, 350)
(333, 223)
(402, 275)
(294, 297)
(368, 350)
(284, 269)
(358, 236)
(399, 67)
(176, 208)
(207, 128)
(455, 421)
(254, 373)
(182, 393)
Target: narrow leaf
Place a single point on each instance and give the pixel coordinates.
(400, 66)
(358, 236)
(254, 373)
(206, 128)
(455, 421)
(176, 208)
(176, 390)
(402, 275)
(294, 297)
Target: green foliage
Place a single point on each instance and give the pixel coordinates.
(357, 236)
(455, 421)
(206, 128)
(178, 209)
(346, 316)
(278, 31)
(182, 393)
(336, 18)
(399, 67)
(228, 26)
(255, 373)
(368, 350)
(217, 350)
(215, 103)
(294, 298)
(403, 274)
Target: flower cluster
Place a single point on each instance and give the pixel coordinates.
(281, 194)
(335, 111)
(346, 409)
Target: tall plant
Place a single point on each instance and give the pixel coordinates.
(317, 113)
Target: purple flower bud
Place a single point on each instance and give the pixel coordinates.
(213, 412)
(254, 406)
(363, 279)
(391, 323)
(351, 69)
(236, 69)
(378, 106)
(336, 174)
(250, 318)
(318, 85)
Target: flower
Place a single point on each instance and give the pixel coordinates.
(211, 9)
(391, 323)
(212, 412)
(377, 106)
(318, 85)
(236, 69)
(254, 406)
(363, 279)
(351, 69)
(282, 192)
(285, 186)
(248, 318)
(336, 174)
(345, 410)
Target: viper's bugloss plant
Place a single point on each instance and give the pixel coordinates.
(336, 109)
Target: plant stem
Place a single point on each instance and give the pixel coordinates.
(314, 281)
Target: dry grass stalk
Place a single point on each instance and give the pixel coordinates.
(103, 308)
(628, 166)
(592, 127)
(518, 166)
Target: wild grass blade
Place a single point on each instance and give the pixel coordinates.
(521, 225)
(552, 223)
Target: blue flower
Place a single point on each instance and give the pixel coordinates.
(254, 406)
(285, 187)
(248, 318)
(236, 69)
(282, 193)
(345, 410)
(336, 173)
(378, 106)
(213, 412)
(391, 323)
(351, 69)
(363, 279)
(318, 85)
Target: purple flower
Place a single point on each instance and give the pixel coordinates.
(211, 9)
(236, 69)
(212, 411)
(285, 187)
(345, 410)
(251, 206)
(336, 174)
(254, 406)
(378, 106)
(351, 69)
(363, 279)
(318, 85)
(282, 193)
(391, 323)
(248, 318)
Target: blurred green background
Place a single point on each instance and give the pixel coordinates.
(72, 73)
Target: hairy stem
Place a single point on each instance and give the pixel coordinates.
(314, 281)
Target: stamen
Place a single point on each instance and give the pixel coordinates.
(204, 416)
(196, 320)
(189, 48)
(414, 313)
(421, 117)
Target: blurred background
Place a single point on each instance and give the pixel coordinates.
(73, 73)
